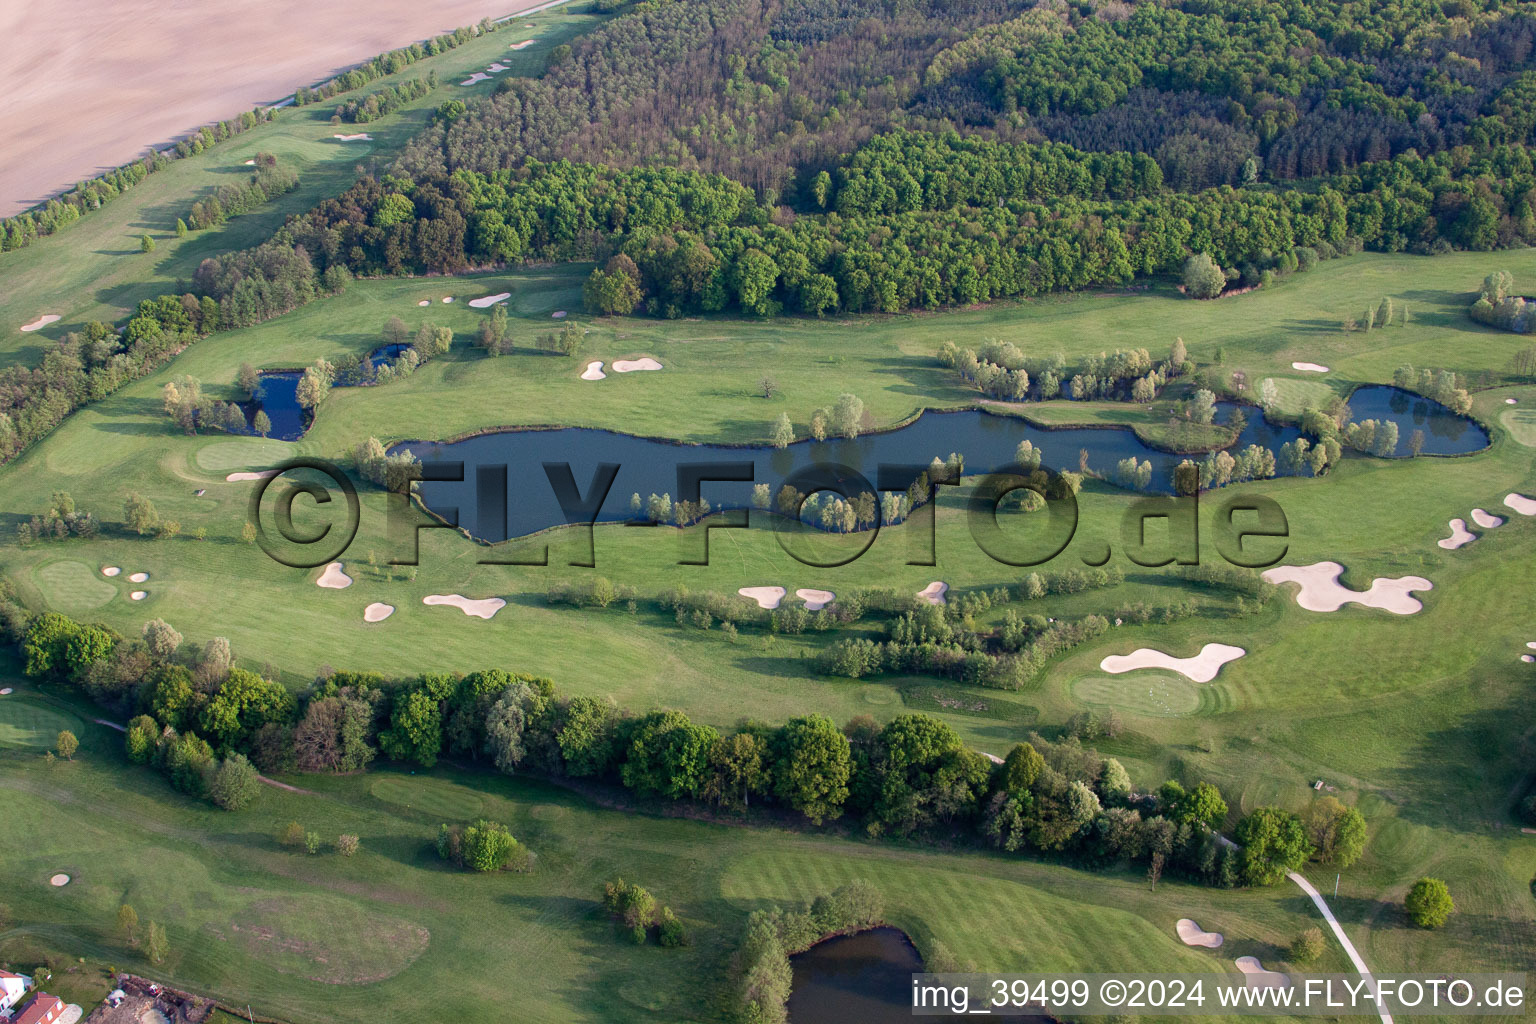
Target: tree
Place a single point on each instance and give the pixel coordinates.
(161, 638)
(291, 834)
(631, 907)
(139, 514)
(156, 946)
(347, 844)
(248, 379)
(1115, 781)
(1202, 407)
(1269, 393)
(1274, 842)
(66, 744)
(738, 767)
(615, 289)
(493, 332)
(313, 388)
(768, 386)
(181, 228)
(396, 332)
(146, 244)
(140, 740)
(1020, 769)
(812, 764)
(1429, 903)
(128, 924)
(1307, 946)
(1203, 279)
(848, 415)
(234, 783)
(1202, 805)
(667, 755)
(262, 423)
(783, 431)
(1336, 831)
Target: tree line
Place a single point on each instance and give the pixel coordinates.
(209, 724)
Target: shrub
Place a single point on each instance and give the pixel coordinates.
(347, 844)
(291, 834)
(1307, 946)
(1429, 903)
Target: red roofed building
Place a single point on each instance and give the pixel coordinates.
(41, 1009)
(12, 988)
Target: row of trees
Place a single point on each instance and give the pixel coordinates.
(392, 62)
(385, 101)
(199, 717)
(267, 182)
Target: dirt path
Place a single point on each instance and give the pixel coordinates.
(1338, 932)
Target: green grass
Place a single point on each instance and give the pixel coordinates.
(75, 587)
(1521, 424)
(93, 269)
(1142, 692)
(1418, 719)
(25, 723)
(324, 938)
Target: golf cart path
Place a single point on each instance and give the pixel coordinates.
(1338, 931)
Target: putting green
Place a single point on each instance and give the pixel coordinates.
(1295, 396)
(1521, 424)
(432, 796)
(248, 453)
(73, 586)
(1143, 692)
(25, 724)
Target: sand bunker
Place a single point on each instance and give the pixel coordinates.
(1310, 367)
(631, 365)
(522, 45)
(1459, 535)
(482, 609)
(1528, 658)
(1485, 519)
(110, 570)
(41, 322)
(333, 578)
(933, 593)
(1321, 591)
(497, 68)
(816, 600)
(1257, 975)
(260, 475)
(1193, 935)
(139, 577)
(1509, 401)
(766, 597)
(59, 881)
(138, 595)
(447, 298)
(594, 371)
(359, 137)
(199, 492)
(1202, 668)
(476, 77)
(490, 300)
(558, 314)
(424, 302)
(250, 163)
(1520, 503)
(5, 692)
(378, 612)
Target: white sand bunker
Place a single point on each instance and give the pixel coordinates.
(59, 881)
(522, 45)
(631, 365)
(359, 137)
(1520, 503)
(1321, 590)
(110, 570)
(594, 371)
(447, 298)
(138, 595)
(1528, 658)
(490, 300)
(1258, 976)
(5, 692)
(816, 600)
(1202, 668)
(1191, 934)
(41, 322)
(1459, 535)
(378, 612)
(1532, 645)
(1485, 519)
(259, 475)
(424, 302)
(250, 163)
(139, 577)
(1310, 367)
(933, 593)
(558, 314)
(478, 76)
(334, 578)
(766, 597)
(497, 68)
(482, 609)
(1509, 401)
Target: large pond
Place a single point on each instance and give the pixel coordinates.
(864, 978)
(525, 503)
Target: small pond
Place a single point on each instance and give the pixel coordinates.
(864, 978)
(279, 396)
